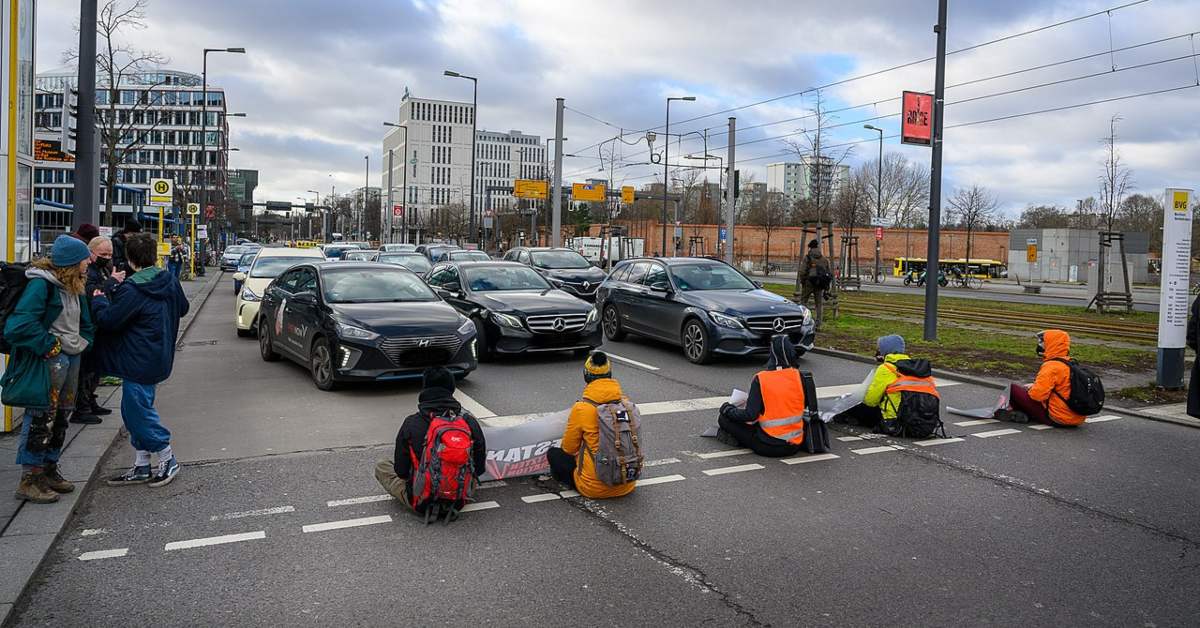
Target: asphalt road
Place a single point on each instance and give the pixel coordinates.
(1092, 526)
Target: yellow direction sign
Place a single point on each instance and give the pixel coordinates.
(1031, 253)
(627, 194)
(530, 188)
(162, 192)
(193, 209)
(588, 192)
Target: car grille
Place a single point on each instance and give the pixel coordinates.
(548, 324)
(578, 286)
(420, 350)
(767, 324)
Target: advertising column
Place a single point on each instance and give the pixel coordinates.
(1174, 289)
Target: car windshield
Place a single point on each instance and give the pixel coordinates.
(373, 285)
(247, 258)
(392, 248)
(559, 259)
(235, 250)
(469, 256)
(712, 276)
(336, 251)
(496, 278)
(266, 267)
(416, 263)
(356, 255)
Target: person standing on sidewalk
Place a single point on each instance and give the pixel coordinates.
(48, 330)
(178, 255)
(815, 279)
(119, 258)
(100, 276)
(140, 322)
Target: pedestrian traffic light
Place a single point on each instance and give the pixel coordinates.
(70, 116)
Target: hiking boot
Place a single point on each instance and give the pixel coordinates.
(85, 418)
(1011, 416)
(166, 472)
(52, 479)
(727, 438)
(31, 489)
(136, 475)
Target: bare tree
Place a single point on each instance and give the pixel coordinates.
(1115, 181)
(905, 188)
(850, 208)
(973, 207)
(1044, 217)
(1142, 212)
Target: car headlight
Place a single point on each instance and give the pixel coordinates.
(508, 320)
(467, 328)
(358, 333)
(248, 295)
(725, 321)
(592, 316)
(807, 316)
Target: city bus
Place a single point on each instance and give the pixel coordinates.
(981, 268)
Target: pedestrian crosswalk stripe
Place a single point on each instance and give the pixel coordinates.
(346, 523)
(937, 441)
(1004, 432)
(659, 463)
(1101, 419)
(568, 494)
(808, 458)
(1040, 427)
(540, 497)
(738, 469)
(215, 540)
(110, 553)
(479, 506)
(849, 439)
(358, 500)
(876, 450)
(662, 479)
(723, 453)
(976, 422)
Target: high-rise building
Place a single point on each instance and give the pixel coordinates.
(803, 180)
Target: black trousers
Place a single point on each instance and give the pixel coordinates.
(562, 466)
(89, 379)
(747, 436)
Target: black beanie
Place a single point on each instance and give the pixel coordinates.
(437, 377)
(812, 244)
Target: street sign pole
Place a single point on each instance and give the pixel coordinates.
(730, 193)
(1174, 287)
(556, 220)
(192, 244)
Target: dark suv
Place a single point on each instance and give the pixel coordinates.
(567, 270)
(703, 305)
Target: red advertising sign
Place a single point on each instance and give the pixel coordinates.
(916, 119)
(397, 211)
(878, 233)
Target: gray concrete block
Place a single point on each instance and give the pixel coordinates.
(90, 442)
(19, 558)
(37, 519)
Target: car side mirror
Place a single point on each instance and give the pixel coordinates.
(758, 284)
(239, 276)
(305, 298)
(661, 286)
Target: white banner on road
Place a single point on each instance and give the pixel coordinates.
(1174, 289)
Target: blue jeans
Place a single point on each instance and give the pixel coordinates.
(43, 430)
(175, 268)
(146, 431)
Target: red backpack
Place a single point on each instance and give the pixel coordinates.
(444, 478)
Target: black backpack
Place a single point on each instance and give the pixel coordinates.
(12, 286)
(819, 277)
(816, 435)
(919, 413)
(1087, 391)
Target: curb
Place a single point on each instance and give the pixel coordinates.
(22, 551)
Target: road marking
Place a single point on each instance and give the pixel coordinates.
(253, 513)
(847, 439)
(112, 553)
(568, 494)
(659, 463)
(472, 406)
(493, 484)
(1040, 427)
(738, 469)
(633, 362)
(346, 523)
(662, 479)
(541, 497)
(1101, 419)
(722, 454)
(358, 500)
(94, 531)
(992, 433)
(809, 458)
(976, 422)
(875, 450)
(215, 540)
(682, 405)
(479, 506)
(937, 441)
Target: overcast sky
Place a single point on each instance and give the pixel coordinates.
(320, 77)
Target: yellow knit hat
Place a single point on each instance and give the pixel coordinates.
(597, 365)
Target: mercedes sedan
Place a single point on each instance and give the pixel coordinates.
(348, 321)
(703, 305)
(515, 310)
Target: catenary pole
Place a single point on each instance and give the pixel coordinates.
(730, 193)
(86, 165)
(556, 220)
(935, 181)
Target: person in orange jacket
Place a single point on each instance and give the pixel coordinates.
(583, 432)
(1045, 401)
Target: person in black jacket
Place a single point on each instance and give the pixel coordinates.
(744, 427)
(436, 398)
(100, 276)
(120, 259)
(1193, 335)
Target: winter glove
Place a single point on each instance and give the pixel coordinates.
(726, 407)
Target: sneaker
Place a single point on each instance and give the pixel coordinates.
(136, 475)
(1011, 416)
(52, 479)
(727, 438)
(99, 410)
(31, 489)
(166, 472)
(86, 419)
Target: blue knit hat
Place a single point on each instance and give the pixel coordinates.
(890, 344)
(68, 251)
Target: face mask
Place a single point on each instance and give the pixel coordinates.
(102, 263)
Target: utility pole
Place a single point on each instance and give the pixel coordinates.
(362, 212)
(730, 193)
(389, 211)
(87, 162)
(935, 181)
(556, 221)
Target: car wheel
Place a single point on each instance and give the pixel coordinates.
(482, 352)
(321, 365)
(264, 343)
(611, 321)
(245, 333)
(695, 343)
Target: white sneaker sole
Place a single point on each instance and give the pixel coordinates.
(164, 482)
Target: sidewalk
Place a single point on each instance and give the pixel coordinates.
(27, 531)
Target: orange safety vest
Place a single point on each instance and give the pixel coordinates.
(910, 383)
(783, 405)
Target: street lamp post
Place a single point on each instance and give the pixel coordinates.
(474, 117)
(666, 161)
(316, 202)
(204, 123)
(403, 179)
(878, 193)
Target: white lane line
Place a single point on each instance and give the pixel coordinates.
(1101, 419)
(937, 441)
(809, 458)
(493, 484)
(472, 406)
(662, 479)
(94, 531)
(849, 439)
(682, 405)
(659, 463)
(633, 362)
(829, 392)
(111, 553)
(875, 450)
(541, 497)
(253, 513)
(738, 469)
(723, 453)
(479, 506)
(568, 494)
(215, 540)
(1039, 427)
(992, 433)
(358, 500)
(346, 523)
(976, 422)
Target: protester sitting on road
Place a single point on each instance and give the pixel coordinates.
(772, 423)
(48, 330)
(815, 279)
(436, 400)
(139, 323)
(581, 439)
(1045, 400)
(99, 277)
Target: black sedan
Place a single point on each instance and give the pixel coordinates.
(703, 305)
(515, 310)
(413, 261)
(349, 321)
(566, 269)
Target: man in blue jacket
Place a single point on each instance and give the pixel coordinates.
(140, 321)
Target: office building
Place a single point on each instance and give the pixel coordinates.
(803, 180)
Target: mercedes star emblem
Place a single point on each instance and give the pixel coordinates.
(778, 324)
(559, 324)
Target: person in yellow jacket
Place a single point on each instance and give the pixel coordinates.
(570, 463)
(877, 403)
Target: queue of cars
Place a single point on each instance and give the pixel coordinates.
(389, 313)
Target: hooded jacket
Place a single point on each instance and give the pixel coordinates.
(26, 381)
(410, 440)
(885, 375)
(583, 430)
(140, 322)
(1053, 384)
(783, 355)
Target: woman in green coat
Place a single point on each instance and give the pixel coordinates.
(48, 330)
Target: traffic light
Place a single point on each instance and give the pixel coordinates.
(70, 115)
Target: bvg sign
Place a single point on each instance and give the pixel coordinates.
(916, 119)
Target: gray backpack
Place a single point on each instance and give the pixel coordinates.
(619, 458)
